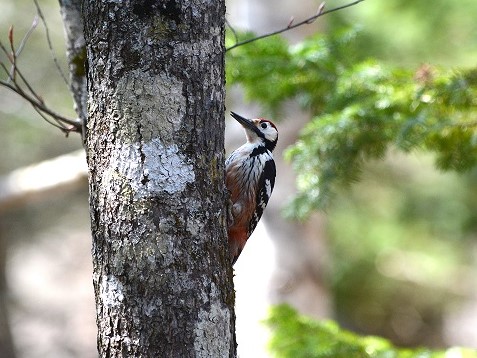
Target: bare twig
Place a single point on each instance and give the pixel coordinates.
(38, 104)
(291, 26)
(27, 35)
(12, 56)
(50, 45)
(14, 69)
(232, 29)
(63, 123)
(58, 124)
(290, 23)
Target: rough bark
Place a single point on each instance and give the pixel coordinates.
(162, 280)
(76, 53)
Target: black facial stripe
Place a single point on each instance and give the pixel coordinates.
(270, 145)
(259, 132)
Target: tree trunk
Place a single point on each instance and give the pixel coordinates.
(76, 53)
(7, 349)
(162, 279)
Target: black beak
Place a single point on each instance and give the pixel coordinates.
(246, 123)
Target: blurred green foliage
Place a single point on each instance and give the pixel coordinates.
(409, 33)
(401, 237)
(361, 108)
(401, 245)
(296, 336)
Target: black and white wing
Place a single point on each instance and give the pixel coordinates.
(265, 185)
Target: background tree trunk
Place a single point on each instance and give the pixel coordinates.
(76, 53)
(7, 349)
(162, 280)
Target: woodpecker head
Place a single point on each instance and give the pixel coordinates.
(259, 130)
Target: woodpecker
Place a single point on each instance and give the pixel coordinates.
(249, 177)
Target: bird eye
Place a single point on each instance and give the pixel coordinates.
(263, 125)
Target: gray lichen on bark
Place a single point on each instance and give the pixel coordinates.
(159, 165)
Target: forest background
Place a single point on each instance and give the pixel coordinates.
(394, 253)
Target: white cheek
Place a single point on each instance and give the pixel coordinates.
(270, 135)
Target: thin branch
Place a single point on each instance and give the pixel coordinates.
(50, 46)
(290, 22)
(40, 105)
(27, 35)
(232, 29)
(65, 124)
(58, 124)
(12, 76)
(12, 56)
(6, 70)
(291, 26)
(16, 53)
